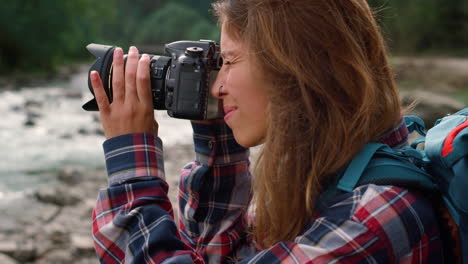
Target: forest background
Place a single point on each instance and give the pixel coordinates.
(41, 36)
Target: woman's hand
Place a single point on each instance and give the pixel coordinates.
(131, 110)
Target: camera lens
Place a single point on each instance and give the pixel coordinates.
(159, 67)
(103, 65)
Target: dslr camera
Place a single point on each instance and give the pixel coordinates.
(180, 82)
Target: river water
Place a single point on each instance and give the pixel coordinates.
(43, 129)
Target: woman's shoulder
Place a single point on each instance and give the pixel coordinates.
(376, 199)
(379, 205)
(389, 218)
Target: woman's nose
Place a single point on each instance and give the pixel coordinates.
(217, 89)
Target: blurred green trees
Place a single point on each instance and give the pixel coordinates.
(174, 22)
(41, 35)
(424, 26)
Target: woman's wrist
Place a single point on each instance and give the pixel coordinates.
(215, 144)
(134, 156)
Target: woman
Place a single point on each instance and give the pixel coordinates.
(309, 80)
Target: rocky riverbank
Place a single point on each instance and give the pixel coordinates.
(53, 223)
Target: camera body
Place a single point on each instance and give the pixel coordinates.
(180, 82)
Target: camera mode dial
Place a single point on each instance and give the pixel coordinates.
(194, 52)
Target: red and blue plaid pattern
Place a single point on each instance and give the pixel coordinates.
(133, 219)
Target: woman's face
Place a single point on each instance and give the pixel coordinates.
(243, 93)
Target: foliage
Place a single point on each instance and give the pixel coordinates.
(38, 35)
(424, 26)
(130, 16)
(175, 22)
(44, 34)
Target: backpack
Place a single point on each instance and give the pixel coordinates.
(440, 167)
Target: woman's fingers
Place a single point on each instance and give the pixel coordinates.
(118, 79)
(130, 74)
(131, 110)
(143, 82)
(99, 93)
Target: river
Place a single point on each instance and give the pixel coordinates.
(44, 129)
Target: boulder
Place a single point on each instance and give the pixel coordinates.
(71, 175)
(82, 245)
(4, 259)
(73, 94)
(430, 106)
(23, 214)
(58, 195)
(7, 247)
(83, 131)
(60, 256)
(25, 251)
(29, 122)
(33, 104)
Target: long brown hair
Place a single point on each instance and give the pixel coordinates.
(332, 91)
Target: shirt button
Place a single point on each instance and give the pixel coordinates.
(210, 144)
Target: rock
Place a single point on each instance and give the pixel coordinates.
(88, 260)
(83, 131)
(96, 119)
(61, 256)
(446, 75)
(86, 208)
(31, 118)
(32, 103)
(430, 106)
(25, 251)
(7, 247)
(24, 214)
(71, 175)
(33, 115)
(4, 259)
(99, 131)
(49, 214)
(86, 132)
(73, 94)
(82, 245)
(16, 108)
(29, 123)
(57, 234)
(66, 136)
(59, 195)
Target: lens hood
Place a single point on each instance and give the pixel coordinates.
(103, 65)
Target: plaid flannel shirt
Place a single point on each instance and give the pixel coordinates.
(133, 218)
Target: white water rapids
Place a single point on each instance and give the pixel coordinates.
(44, 129)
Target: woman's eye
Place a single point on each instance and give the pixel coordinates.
(227, 62)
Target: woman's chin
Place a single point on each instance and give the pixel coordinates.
(246, 140)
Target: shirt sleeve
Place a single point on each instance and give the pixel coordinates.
(214, 194)
(133, 218)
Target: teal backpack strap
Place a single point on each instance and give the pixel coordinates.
(347, 178)
(357, 166)
(378, 164)
(415, 123)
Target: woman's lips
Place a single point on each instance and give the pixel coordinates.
(228, 111)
